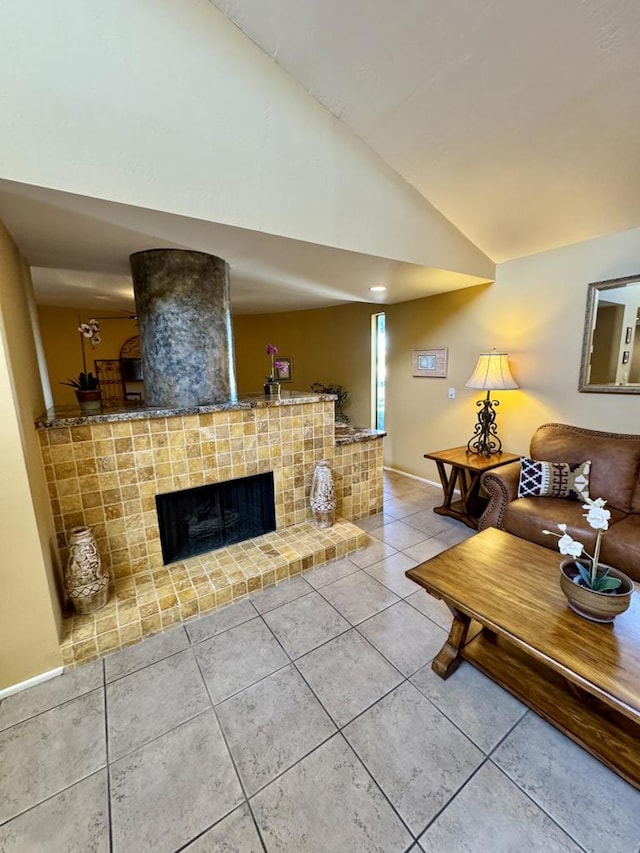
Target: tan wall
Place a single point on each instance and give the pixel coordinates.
(62, 346)
(329, 345)
(29, 605)
(535, 311)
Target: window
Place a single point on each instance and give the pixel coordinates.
(378, 334)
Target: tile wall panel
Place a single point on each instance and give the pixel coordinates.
(107, 475)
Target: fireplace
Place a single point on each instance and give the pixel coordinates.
(194, 521)
(105, 471)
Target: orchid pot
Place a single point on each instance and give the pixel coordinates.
(596, 605)
(593, 590)
(89, 400)
(271, 385)
(86, 385)
(271, 388)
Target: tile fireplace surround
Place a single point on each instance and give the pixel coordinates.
(104, 470)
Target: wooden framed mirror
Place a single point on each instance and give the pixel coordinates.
(611, 345)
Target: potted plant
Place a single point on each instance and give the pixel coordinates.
(87, 386)
(593, 590)
(341, 394)
(87, 390)
(271, 385)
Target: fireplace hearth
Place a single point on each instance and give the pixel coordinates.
(105, 471)
(194, 521)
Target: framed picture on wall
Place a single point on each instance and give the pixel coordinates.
(430, 362)
(283, 368)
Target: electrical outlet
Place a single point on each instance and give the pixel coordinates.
(452, 393)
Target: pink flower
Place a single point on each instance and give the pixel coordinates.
(272, 352)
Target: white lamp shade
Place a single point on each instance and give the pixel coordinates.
(492, 373)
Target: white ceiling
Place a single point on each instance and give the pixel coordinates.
(79, 248)
(518, 119)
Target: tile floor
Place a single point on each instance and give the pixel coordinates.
(303, 718)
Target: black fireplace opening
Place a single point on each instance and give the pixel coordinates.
(194, 521)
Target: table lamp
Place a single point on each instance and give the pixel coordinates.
(491, 374)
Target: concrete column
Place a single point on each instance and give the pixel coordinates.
(184, 316)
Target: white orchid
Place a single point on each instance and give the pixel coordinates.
(91, 331)
(567, 545)
(598, 518)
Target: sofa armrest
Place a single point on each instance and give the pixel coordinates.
(501, 485)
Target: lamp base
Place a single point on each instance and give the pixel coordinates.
(484, 440)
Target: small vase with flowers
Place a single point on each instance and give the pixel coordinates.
(87, 386)
(594, 590)
(271, 385)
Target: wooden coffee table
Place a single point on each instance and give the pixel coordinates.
(582, 677)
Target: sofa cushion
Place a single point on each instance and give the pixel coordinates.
(554, 479)
(621, 546)
(528, 517)
(615, 460)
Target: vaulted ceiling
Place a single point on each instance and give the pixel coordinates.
(518, 120)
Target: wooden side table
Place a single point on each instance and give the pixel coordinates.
(466, 469)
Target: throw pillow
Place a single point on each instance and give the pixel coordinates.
(554, 480)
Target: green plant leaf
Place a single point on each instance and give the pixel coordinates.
(585, 575)
(604, 583)
(72, 383)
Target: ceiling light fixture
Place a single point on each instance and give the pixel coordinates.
(379, 289)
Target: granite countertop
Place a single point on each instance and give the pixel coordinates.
(64, 416)
(347, 434)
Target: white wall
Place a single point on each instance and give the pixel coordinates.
(167, 105)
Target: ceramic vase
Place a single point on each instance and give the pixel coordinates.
(590, 604)
(86, 582)
(322, 497)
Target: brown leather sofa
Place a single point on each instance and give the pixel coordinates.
(614, 476)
